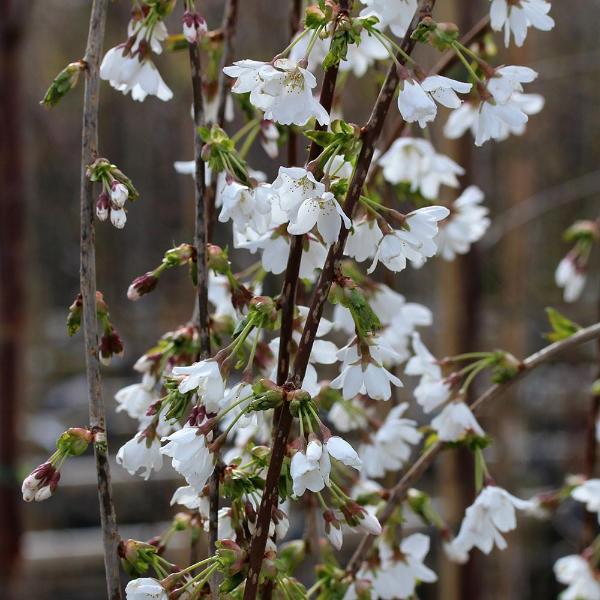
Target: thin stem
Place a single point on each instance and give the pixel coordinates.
(200, 241)
(466, 63)
(89, 152)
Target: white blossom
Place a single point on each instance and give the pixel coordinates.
(119, 194)
(415, 104)
(415, 242)
(571, 278)
(390, 445)
(348, 415)
(363, 239)
(282, 90)
(360, 377)
(145, 588)
(204, 377)
(324, 212)
(140, 455)
(395, 14)
(517, 17)
(311, 469)
(467, 117)
(136, 399)
(492, 514)
(455, 420)
(187, 496)
(588, 493)
(191, 457)
(128, 73)
(398, 577)
(245, 206)
(415, 161)
(118, 217)
(508, 80)
(467, 224)
(576, 572)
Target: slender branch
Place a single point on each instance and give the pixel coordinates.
(200, 234)
(228, 29)
(590, 457)
(202, 313)
(89, 151)
(400, 490)
(370, 134)
(282, 420)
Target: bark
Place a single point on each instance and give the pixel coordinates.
(89, 151)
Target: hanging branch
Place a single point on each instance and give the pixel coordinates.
(89, 151)
(201, 313)
(370, 134)
(418, 468)
(591, 448)
(228, 29)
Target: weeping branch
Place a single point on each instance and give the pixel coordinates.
(89, 151)
(370, 135)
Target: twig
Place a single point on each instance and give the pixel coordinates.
(370, 133)
(89, 151)
(399, 491)
(228, 29)
(591, 449)
(200, 240)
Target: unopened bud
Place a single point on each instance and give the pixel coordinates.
(118, 218)
(103, 206)
(74, 441)
(217, 259)
(119, 194)
(142, 285)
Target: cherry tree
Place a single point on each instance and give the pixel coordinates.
(241, 399)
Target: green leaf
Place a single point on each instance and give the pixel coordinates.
(365, 319)
(562, 327)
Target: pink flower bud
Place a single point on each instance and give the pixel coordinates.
(142, 285)
(118, 218)
(103, 206)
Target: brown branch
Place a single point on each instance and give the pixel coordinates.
(370, 134)
(202, 313)
(89, 151)
(400, 490)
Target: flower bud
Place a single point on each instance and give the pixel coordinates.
(119, 194)
(74, 441)
(217, 259)
(110, 345)
(103, 206)
(142, 285)
(118, 218)
(194, 26)
(231, 557)
(41, 483)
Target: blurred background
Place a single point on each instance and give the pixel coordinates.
(495, 297)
